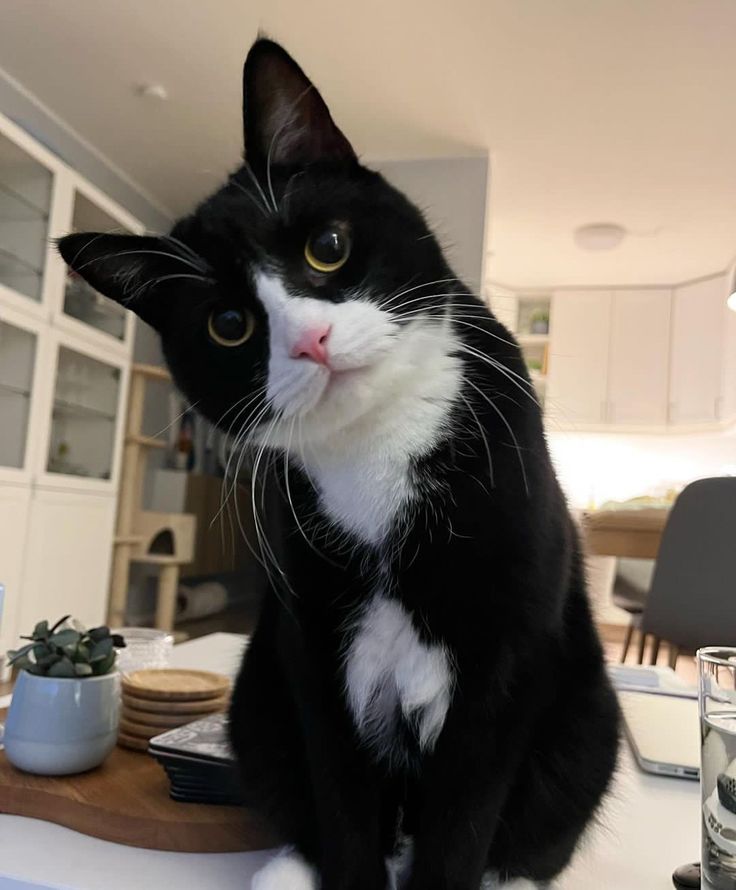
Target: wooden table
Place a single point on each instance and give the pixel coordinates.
(630, 533)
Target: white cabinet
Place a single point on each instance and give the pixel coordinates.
(652, 359)
(70, 536)
(65, 355)
(14, 506)
(577, 382)
(638, 358)
(698, 319)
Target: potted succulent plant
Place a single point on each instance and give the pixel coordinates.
(64, 713)
(539, 321)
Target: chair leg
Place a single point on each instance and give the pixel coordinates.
(674, 653)
(627, 641)
(642, 645)
(655, 650)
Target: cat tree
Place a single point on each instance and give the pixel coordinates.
(165, 540)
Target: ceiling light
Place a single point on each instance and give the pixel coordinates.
(599, 236)
(731, 301)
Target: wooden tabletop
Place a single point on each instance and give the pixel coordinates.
(126, 800)
(628, 533)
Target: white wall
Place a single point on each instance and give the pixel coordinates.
(452, 194)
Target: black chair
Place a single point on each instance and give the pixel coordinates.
(692, 600)
(631, 598)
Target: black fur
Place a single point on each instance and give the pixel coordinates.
(488, 564)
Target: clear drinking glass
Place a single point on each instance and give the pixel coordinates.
(717, 688)
(145, 647)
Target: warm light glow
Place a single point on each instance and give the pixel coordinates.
(731, 301)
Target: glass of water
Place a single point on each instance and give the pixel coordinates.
(717, 694)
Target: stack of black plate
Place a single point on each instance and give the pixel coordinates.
(198, 761)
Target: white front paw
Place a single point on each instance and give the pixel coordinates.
(288, 871)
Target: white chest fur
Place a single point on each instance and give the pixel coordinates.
(390, 673)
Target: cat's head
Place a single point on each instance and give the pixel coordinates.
(294, 290)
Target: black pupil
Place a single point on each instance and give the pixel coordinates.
(230, 324)
(328, 247)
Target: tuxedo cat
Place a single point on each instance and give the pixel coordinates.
(425, 672)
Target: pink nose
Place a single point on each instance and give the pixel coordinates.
(312, 344)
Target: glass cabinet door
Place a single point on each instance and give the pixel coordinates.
(17, 358)
(25, 197)
(84, 416)
(80, 300)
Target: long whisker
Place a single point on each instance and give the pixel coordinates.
(287, 121)
(510, 430)
(266, 211)
(143, 252)
(141, 289)
(483, 437)
(310, 543)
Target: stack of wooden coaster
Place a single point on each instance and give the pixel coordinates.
(157, 700)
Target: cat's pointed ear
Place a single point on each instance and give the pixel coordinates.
(125, 268)
(285, 119)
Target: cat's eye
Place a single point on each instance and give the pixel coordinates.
(230, 327)
(327, 249)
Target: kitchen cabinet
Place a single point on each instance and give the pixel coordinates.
(65, 356)
(643, 359)
(69, 539)
(577, 381)
(698, 319)
(638, 357)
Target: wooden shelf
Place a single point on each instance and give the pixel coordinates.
(128, 539)
(145, 441)
(159, 559)
(532, 339)
(64, 408)
(152, 372)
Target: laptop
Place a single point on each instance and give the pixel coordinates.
(663, 732)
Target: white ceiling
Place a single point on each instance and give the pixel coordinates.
(606, 111)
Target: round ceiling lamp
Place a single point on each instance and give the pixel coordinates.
(599, 236)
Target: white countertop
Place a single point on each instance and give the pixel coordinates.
(647, 827)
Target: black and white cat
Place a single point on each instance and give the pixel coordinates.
(425, 666)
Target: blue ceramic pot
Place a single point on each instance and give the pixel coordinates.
(57, 726)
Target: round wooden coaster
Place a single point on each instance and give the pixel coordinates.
(133, 742)
(173, 684)
(130, 729)
(153, 706)
(162, 722)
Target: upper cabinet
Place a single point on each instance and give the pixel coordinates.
(87, 309)
(65, 350)
(639, 354)
(642, 359)
(19, 357)
(25, 203)
(580, 325)
(698, 319)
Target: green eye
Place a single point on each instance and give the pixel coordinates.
(327, 249)
(230, 327)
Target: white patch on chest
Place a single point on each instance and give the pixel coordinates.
(391, 673)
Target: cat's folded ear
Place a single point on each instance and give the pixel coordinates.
(129, 269)
(285, 119)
